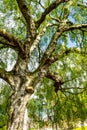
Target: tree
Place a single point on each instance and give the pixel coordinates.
(33, 29)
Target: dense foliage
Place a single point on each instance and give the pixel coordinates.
(67, 107)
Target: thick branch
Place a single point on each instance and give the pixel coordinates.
(58, 82)
(5, 76)
(38, 38)
(74, 27)
(7, 44)
(49, 9)
(50, 48)
(24, 10)
(53, 59)
(31, 29)
(11, 40)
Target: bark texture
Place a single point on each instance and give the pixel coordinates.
(17, 112)
(21, 83)
(26, 123)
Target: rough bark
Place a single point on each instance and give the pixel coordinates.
(26, 123)
(21, 83)
(17, 111)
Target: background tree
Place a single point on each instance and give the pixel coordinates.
(30, 32)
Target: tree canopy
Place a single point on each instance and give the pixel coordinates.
(43, 51)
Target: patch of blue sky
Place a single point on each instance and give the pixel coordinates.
(45, 40)
(70, 43)
(85, 1)
(71, 19)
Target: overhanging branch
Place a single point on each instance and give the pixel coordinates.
(58, 82)
(74, 27)
(6, 44)
(49, 9)
(11, 40)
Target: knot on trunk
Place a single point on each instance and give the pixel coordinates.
(29, 89)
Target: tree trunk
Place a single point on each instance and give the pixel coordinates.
(56, 126)
(18, 109)
(52, 125)
(26, 124)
